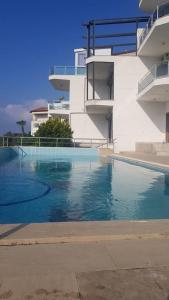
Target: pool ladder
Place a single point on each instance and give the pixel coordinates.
(22, 151)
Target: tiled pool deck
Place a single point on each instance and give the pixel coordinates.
(86, 260)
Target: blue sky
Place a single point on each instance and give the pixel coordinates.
(35, 35)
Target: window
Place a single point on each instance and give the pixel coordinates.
(82, 59)
(100, 81)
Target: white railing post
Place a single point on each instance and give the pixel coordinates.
(74, 143)
(39, 142)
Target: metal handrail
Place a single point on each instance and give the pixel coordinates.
(52, 141)
(159, 12)
(156, 71)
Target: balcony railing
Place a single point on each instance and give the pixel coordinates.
(161, 11)
(58, 106)
(6, 141)
(40, 120)
(157, 71)
(67, 70)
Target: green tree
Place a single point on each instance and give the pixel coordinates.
(22, 124)
(55, 128)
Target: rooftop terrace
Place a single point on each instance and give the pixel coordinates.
(119, 34)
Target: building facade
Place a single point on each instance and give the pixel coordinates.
(55, 109)
(120, 91)
(39, 116)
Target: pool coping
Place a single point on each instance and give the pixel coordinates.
(141, 162)
(83, 232)
(83, 239)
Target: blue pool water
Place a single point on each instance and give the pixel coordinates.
(79, 188)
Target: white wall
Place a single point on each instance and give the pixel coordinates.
(77, 93)
(89, 126)
(135, 121)
(103, 51)
(167, 106)
(102, 90)
(37, 117)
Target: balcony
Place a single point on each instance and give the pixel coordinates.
(153, 40)
(60, 76)
(68, 70)
(99, 106)
(149, 5)
(58, 108)
(154, 86)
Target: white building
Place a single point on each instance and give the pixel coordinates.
(87, 120)
(121, 91)
(39, 116)
(55, 109)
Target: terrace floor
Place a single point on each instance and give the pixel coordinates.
(85, 260)
(149, 158)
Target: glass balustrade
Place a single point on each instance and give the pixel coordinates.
(67, 70)
(161, 11)
(157, 71)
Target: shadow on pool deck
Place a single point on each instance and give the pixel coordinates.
(12, 230)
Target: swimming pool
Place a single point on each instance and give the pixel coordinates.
(53, 188)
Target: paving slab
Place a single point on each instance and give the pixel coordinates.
(61, 286)
(126, 269)
(103, 270)
(42, 259)
(139, 254)
(138, 284)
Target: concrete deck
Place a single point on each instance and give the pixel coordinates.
(131, 262)
(149, 158)
(105, 152)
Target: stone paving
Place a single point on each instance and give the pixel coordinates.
(149, 158)
(124, 268)
(142, 284)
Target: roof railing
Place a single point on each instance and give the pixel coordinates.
(99, 29)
